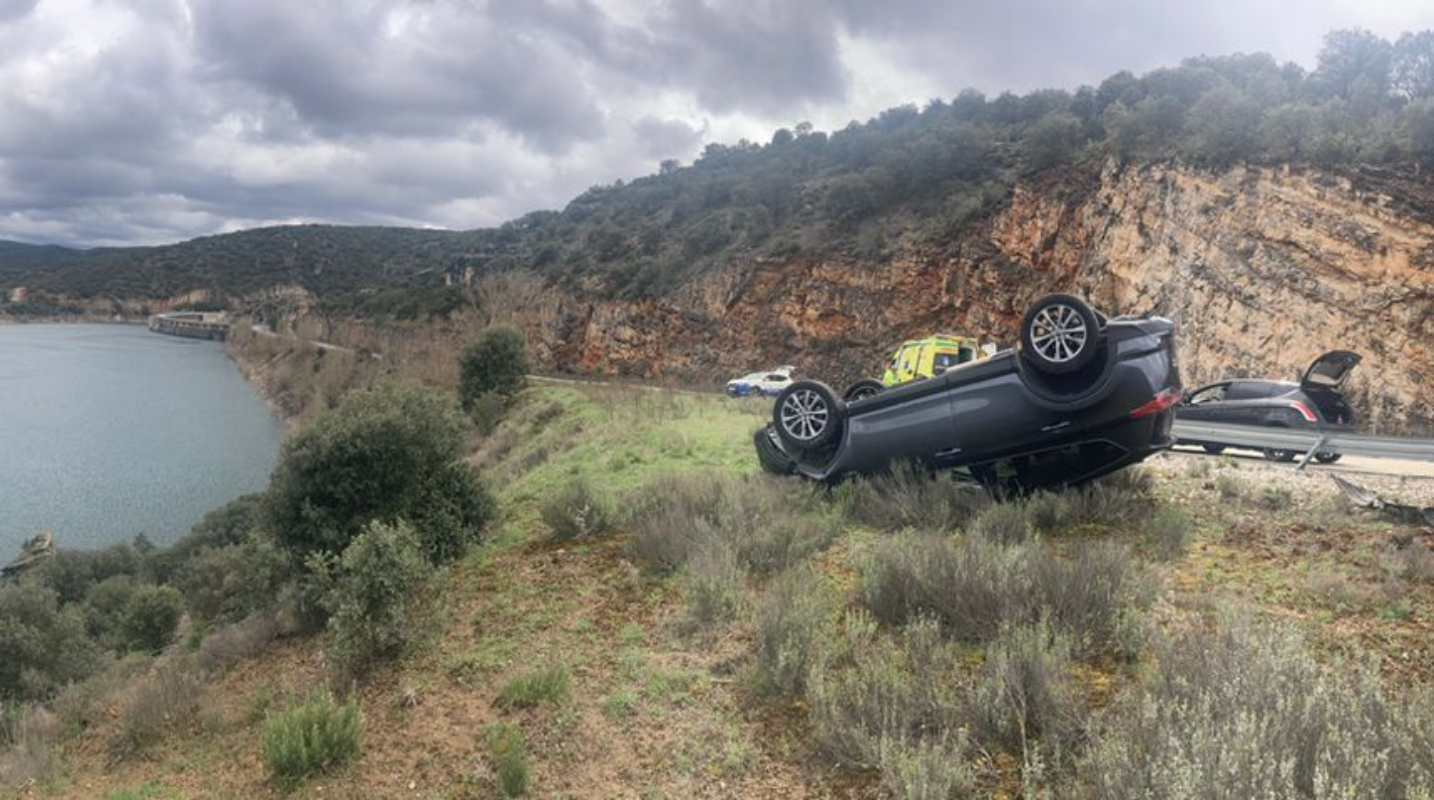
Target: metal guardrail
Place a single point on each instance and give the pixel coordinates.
(1307, 442)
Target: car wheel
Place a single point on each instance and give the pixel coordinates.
(807, 415)
(1214, 449)
(1327, 457)
(1060, 334)
(1271, 454)
(862, 389)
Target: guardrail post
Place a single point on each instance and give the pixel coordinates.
(1323, 437)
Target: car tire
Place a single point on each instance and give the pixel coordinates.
(1275, 454)
(1060, 334)
(862, 389)
(1327, 458)
(807, 415)
(1214, 449)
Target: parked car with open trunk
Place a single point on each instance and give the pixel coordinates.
(1316, 403)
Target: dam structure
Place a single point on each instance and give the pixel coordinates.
(192, 324)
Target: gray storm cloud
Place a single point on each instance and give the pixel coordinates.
(164, 119)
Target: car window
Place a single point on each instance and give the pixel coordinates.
(945, 360)
(966, 354)
(777, 378)
(1251, 390)
(1210, 394)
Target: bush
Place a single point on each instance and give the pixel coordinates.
(1002, 523)
(894, 707)
(974, 588)
(230, 524)
(1023, 700)
(105, 607)
(233, 643)
(545, 685)
(911, 497)
(575, 511)
(311, 738)
(165, 698)
(792, 626)
(384, 454)
(231, 582)
(1247, 708)
(45, 646)
(150, 618)
(714, 583)
(487, 410)
(496, 363)
(509, 752)
(371, 595)
(27, 746)
(766, 523)
(1169, 533)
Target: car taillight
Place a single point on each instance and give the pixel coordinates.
(1162, 402)
(1304, 411)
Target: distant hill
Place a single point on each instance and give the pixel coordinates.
(911, 179)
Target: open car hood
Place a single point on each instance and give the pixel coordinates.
(1329, 370)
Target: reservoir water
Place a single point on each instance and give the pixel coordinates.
(107, 431)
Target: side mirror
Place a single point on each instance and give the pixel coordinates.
(938, 370)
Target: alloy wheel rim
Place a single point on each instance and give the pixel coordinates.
(1059, 333)
(804, 415)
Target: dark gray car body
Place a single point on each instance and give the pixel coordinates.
(1010, 424)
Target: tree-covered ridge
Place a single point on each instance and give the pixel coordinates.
(910, 176)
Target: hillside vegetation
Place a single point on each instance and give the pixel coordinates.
(647, 615)
(910, 176)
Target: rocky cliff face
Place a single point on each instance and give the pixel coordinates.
(1263, 268)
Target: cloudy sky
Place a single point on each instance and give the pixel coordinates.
(146, 121)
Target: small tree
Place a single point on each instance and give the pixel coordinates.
(151, 617)
(497, 362)
(44, 646)
(370, 594)
(387, 453)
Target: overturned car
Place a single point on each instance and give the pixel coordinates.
(1082, 397)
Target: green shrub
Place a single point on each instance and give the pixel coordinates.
(714, 583)
(1169, 532)
(575, 511)
(1024, 700)
(105, 610)
(793, 622)
(45, 646)
(909, 496)
(387, 453)
(487, 410)
(231, 582)
(151, 617)
(1002, 523)
(230, 524)
(768, 524)
(974, 588)
(1247, 708)
(497, 362)
(1276, 498)
(509, 753)
(311, 738)
(372, 594)
(73, 573)
(894, 705)
(545, 685)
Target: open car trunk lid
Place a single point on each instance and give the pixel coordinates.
(1329, 371)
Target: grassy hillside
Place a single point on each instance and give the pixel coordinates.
(653, 618)
(909, 178)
